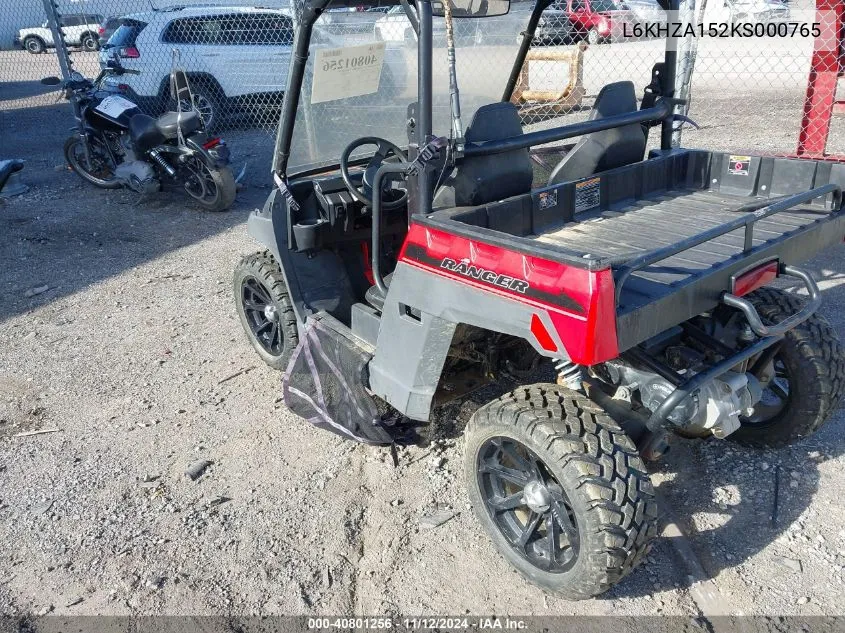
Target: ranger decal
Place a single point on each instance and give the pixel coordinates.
(463, 267)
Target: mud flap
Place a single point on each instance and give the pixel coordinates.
(326, 382)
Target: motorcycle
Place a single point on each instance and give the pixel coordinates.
(116, 145)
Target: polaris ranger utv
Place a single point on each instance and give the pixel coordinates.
(395, 278)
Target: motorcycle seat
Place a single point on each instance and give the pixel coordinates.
(169, 123)
(144, 132)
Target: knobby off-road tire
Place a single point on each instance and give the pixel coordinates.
(258, 282)
(594, 471)
(813, 361)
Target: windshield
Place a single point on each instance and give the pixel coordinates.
(361, 76)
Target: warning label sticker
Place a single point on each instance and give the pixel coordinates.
(739, 165)
(547, 199)
(587, 194)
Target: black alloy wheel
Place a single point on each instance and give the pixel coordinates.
(263, 316)
(528, 505)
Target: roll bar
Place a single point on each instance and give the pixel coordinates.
(661, 111)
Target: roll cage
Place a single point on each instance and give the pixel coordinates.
(657, 107)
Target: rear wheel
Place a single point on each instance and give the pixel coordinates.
(90, 43)
(264, 308)
(34, 45)
(804, 382)
(560, 489)
(214, 189)
(99, 168)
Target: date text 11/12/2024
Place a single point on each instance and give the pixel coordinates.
(419, 623)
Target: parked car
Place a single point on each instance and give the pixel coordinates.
(79, 29)
(595, 20)
(554, 27)
(757, 10)
(107, 29)
(349, 20)
(235, 57)
(645, 11)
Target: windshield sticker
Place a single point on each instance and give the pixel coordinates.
(351, 71)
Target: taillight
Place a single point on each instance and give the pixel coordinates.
(123, 87)
(211, 144)
(101, 31)
(754, 278)
(130, 52)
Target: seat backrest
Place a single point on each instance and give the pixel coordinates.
(607, 149)
(180, 89)
(481, 179)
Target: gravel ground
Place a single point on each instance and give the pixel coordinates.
(131, 355)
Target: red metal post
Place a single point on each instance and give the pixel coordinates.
(821, 84)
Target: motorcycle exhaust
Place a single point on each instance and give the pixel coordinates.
(159, 159)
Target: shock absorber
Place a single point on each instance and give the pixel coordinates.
(568, 374)
(158, 158)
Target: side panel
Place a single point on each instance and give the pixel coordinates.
(579, 303)
(443, 279)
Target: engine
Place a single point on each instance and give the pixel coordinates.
(137, 175)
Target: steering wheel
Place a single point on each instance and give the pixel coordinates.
(364, 195)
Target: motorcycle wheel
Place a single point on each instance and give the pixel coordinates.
(213, 189)
(102, 168)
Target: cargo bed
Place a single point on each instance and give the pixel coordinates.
(674, 229)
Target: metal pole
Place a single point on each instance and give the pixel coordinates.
(65, 63)
(667, 87)
(424, 126)
(687, 65)
(299, 57)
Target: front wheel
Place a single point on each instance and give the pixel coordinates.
(560, 489)
(213, 188)
(265, 309)
(803, 383)
(98, 168)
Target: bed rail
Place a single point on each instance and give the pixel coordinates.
(753, 212)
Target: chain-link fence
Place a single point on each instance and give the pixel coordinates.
(745, 93)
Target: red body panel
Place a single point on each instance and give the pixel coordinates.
(579, 304)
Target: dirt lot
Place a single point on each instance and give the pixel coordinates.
(131, 354)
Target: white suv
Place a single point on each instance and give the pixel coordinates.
(79, 29)
(237, 58)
